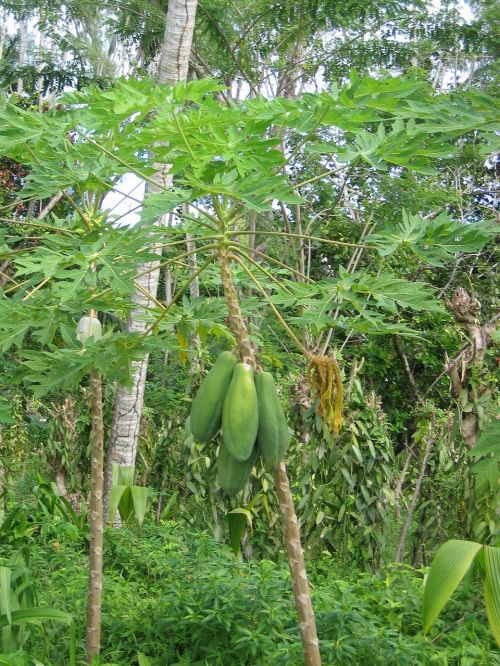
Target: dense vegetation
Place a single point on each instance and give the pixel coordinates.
(313, 188)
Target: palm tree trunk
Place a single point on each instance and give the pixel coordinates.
(172, 68)
(23, 38)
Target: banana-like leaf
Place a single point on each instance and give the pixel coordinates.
(38, 615)
(115, 474)
(126, 475)
(5, 591)
(237, 519)
(126, 505)
(139, 501)
(492, 589)
(450, 564)
(35, 615)
(115, 497)
(168, 506)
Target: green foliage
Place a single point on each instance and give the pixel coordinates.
(222, 611)
(130, 500)
(48, 514)
(452, 561)
(484, 520)
(347, 485)
(434, 241)
(19, 609)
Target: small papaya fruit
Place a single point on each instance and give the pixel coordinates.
(240, 413)
(232, 473)
(88, 327)
(206, 410)
(273, 435)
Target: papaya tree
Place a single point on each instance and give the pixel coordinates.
(226, 162)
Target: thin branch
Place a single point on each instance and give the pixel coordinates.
(322, 175)
(55, 199)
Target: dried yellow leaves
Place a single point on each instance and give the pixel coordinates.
(323, 375)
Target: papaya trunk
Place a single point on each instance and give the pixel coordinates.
(94, 600)
(295, 554)
(300, 586)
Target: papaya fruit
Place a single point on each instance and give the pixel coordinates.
(273, 435)
(88, 327)
(232, 473)
(240, 413)
(206, 410)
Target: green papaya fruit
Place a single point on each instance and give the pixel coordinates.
(273, 435)
(206, 410)
(240, 413)
(232, 473)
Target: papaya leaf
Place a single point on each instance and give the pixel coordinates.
(433, 241)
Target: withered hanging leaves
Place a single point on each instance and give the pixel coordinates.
(323, 375)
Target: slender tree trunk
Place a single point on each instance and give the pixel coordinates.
(93, 634)
(177, 40)
(300, 586)
(430, 440)
(466, 310)
(172, 68)
(23, 37)
(3, 33)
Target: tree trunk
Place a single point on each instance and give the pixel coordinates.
(23, 37)
(94, 600)
(430, 440)
(172, 68)
(303, 604)
(307, 622)
(466, 385)
(177, 39)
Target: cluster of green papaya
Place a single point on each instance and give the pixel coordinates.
(250, 413)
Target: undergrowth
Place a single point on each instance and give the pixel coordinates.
(181, 598)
